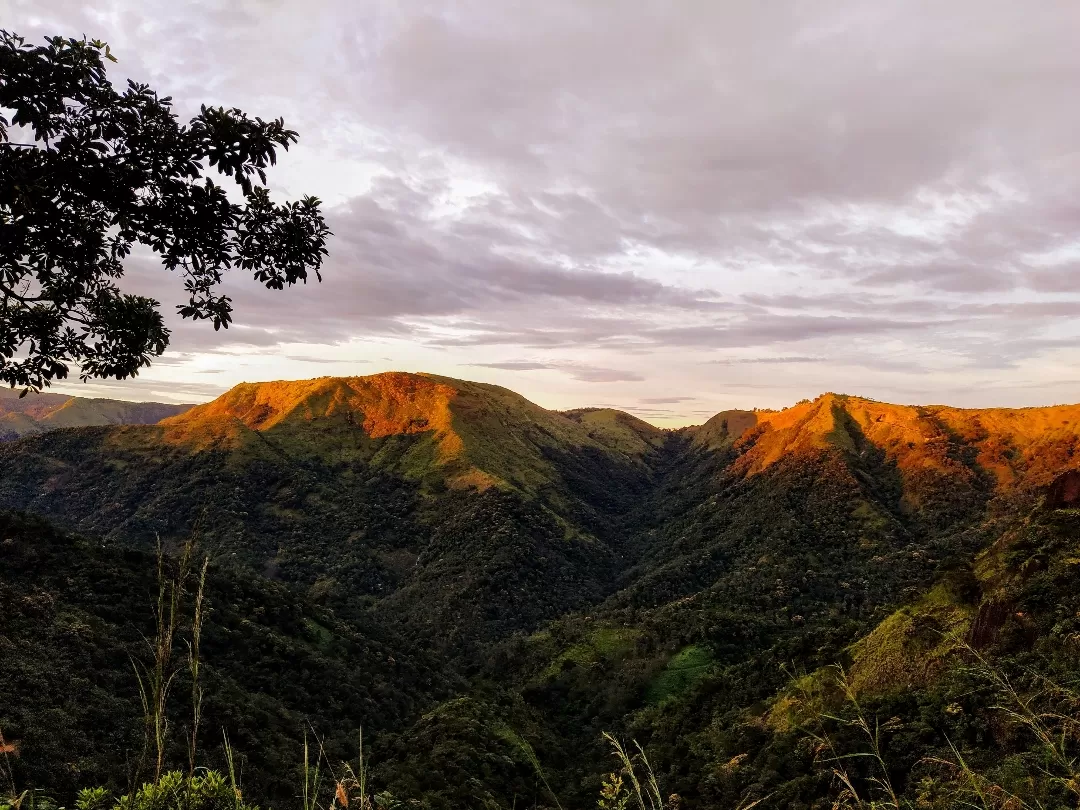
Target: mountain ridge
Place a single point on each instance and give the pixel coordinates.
(899, 429)
(41, 412)
(457, 417)
(273, 397)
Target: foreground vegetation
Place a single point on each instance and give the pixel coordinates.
(991, 722)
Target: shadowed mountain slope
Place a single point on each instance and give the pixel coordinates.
(38, 413)
(455, 497)
(74, 619)
(882, 481)
(618, 430)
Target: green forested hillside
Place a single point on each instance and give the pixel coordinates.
(458, 570)
(76, 611)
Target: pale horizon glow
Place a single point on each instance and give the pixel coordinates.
(672, 208)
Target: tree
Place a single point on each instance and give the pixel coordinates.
(86, 173)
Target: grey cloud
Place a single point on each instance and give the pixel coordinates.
(767, 331)
(665, 400)
(651, 413)
(172, 358)
(593, 374)
(1022, 310)
(579, 372)
(308, 358)
(958, 279)
(755, 361)
(756, 386)
(389, 272)
(512, 365)
(645, 176)
(644, 105)
(147, 390)
(790, 301)
(1063, 279)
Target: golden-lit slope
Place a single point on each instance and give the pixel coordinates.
(38, 413)
(380, 405)
(1009, 443)
(32, 405)
(475, 434)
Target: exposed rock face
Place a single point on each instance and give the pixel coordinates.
(1064, 491)
(988, 622)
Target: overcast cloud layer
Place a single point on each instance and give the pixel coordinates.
(670, 207)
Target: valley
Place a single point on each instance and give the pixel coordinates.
(458, 571)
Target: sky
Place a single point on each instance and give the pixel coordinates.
(670, 207)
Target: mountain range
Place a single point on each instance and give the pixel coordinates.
(460, 572)
(41, 412)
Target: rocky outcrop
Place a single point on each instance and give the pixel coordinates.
(1064, 491)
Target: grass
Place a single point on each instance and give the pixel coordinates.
(320, 634)
(179, 606)
(807, 697)
(155, 678)
(911, 646)
(1046, 775)
(873, 521)
(618, 430)
(602, 644)
(874, 790)
(688, 666)
(907, 647)
(437, 430)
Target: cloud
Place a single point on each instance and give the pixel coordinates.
(140, 389)
(756, 361)
(593, 374)
(665, 400)
(308, 358)
(772, 330)
(516, 365)
(627, 189)
(576, 371)
(957, 278)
